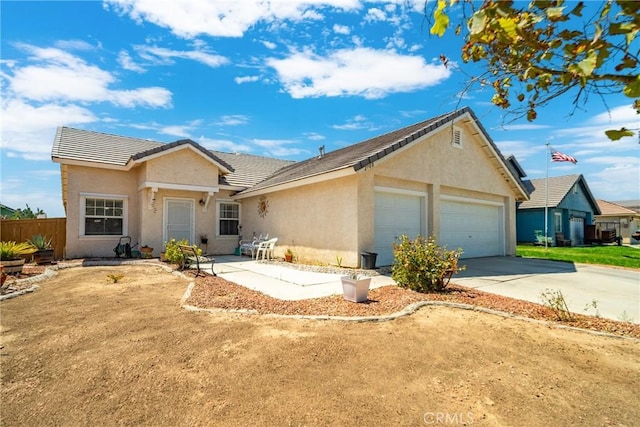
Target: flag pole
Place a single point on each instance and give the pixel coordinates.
(546, 197)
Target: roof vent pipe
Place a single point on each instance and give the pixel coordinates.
(321, 152)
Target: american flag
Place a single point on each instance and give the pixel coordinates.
(557, 156)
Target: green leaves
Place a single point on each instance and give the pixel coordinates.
(616, 134)
(632, 90)
(587, 65)
(536, 51)
(441, 20)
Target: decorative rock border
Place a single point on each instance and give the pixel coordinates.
(408, 310)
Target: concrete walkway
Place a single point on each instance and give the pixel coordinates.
(282, 282)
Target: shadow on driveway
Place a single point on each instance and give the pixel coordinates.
(510, 266)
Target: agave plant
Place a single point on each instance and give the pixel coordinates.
(12, 250)
(40, 242)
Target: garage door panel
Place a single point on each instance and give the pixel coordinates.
(474, 227)
(394, 215)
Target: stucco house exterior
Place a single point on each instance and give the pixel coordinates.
(443, 177)
(570, 208)
(624, 220)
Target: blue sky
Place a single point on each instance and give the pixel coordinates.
(277, 78)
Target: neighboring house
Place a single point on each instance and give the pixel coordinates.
(612, 216)
(570, 208)
(6, 212)
(629, 204)
(442, 177)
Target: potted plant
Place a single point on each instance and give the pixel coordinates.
(44, 250)
(355, 288)
(146, 251)
(11, 255)
(288, 255)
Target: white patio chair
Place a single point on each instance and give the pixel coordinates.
(266, 248)
(249, 247)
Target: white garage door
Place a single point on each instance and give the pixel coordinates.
(474, 227)
(577, 231)
(395, 215)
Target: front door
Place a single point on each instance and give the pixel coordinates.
(178, 219)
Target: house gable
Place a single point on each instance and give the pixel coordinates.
(365, 155)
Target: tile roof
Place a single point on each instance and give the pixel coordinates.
(88, 146)
(245, 170)
(559, 187)
(609, 208)
(631, 204)
(249, 169)
(251, 172)
(358, 156)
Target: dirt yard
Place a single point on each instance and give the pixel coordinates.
(85, 351)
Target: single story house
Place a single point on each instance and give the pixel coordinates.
(443, 177)
(570, 208)
(625, 221)
(6, 212)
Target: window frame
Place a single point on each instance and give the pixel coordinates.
(557, 222)
(219, 204)
(102, 196)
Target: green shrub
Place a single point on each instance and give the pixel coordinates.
(13, 250)
(421, 265)
(172, 251)
(40, 242)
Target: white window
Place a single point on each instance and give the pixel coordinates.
(456, 137)
(557, 222)
(103, 215)
(228, 218)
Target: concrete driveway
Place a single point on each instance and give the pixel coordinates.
(616, 291)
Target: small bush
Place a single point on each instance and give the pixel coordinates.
(556, 302)
(421, 265)
(172, 251)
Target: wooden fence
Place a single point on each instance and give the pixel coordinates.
(21, 230)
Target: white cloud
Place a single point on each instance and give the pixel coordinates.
(375, 15)
(224, 18)
(617, 182)
(126, 62)
(224, 145)
(279, 147)
(165, 56)
(28, 131)
(354, 123)
(522, 150)
(341, 29)
(269, 45)
(362, 72)
(312, 136)
(594, 128)
(523, 126)
(61, 77)
(73, 45)
(246, 79)
(232, 120)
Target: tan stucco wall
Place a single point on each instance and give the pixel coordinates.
(438, 168)
(317, 221)
(99, 181)
(184, 166)
(145, 216)
(336, 218)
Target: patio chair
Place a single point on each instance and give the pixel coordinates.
(561, 241)
(266, 248)
(249, 247)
